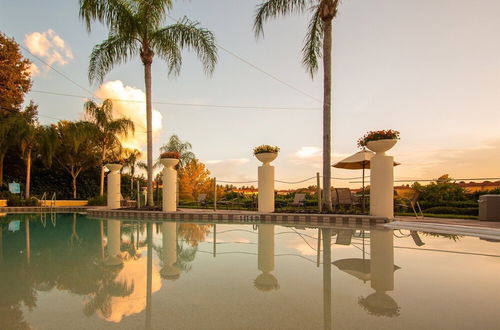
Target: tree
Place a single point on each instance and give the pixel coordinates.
(9, 137)
(29, 135)
(175, 144)
(136, 28)
(15, 79)
(318, 43)
(75, 148)
(110, 131)
(194, 178)
(131, 162)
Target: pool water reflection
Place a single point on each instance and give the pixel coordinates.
(70, 271)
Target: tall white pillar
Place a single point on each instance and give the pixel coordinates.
(114, 179)
(382, 179)
(169, 251)
(113, 246)
(266, 182)
(169, 184)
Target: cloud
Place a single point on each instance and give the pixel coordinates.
(34, 70)
(50, 46)
(231, 169)
(134, 109)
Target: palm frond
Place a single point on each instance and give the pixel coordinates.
(276, 8)
(188, 34)
(115, 14)
(112, 51)
(153, 12)
(312, 50)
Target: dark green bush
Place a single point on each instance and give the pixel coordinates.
(453, 210)
(15, 200)
(98, 201)
(428, 204)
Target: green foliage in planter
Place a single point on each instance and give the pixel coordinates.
(170, 154)
(265, 148)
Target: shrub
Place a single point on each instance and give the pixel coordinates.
(15, 200)
(98, 201)
(453, 210)
(170, 154)
(265, 148)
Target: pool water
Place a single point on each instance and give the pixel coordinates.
(69, 271)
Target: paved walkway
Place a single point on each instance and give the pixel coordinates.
(452, 222)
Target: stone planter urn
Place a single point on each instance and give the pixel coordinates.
(266, 157)
(381, 146)
(169, 203)
(114, 182)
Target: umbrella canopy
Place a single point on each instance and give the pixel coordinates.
(357, 161)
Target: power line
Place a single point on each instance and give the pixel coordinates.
(57, 71)
(259, 69)
(182, 104)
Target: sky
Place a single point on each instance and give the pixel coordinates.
(430, 69)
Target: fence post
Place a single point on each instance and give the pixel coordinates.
(138, 195)
(215, 194)
(318, 192)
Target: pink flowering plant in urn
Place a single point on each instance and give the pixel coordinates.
(379, 141)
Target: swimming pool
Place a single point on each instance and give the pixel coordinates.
(68, 271)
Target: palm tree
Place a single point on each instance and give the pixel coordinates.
(110, 130)
(318, 43)
(136, 28)
(131, 162)
(75, 148)
(182, 147)
(29, 135)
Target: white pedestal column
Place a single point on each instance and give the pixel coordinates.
(266, 182)
(114, 181)
(382, 185)
(113, 246)
(382, 179)
(169, 184)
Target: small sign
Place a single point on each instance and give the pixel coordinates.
(14, 225)
(15, 188)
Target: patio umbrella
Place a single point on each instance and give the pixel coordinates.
(358, 161)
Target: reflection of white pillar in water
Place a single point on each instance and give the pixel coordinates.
(113, 246)
(266, 281)
(169, 251)
(266, 182)
(382, 274)
(113, 192)
(382, 179)
(169, 184)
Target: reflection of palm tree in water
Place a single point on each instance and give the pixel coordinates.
(106, 289)
(74, 238)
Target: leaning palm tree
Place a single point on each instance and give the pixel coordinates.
(136, 29)
(318, 43)
(110, 131)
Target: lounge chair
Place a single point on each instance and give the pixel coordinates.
(201, 200)
(344, 237)
(345, 197)
(298, 200)
(414, 205)
(418, 241)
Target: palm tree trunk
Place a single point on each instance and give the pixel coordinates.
(101, 189)
(73, 184)
(28, 174)
(2, 157)
(327, 97)
(149, 118)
